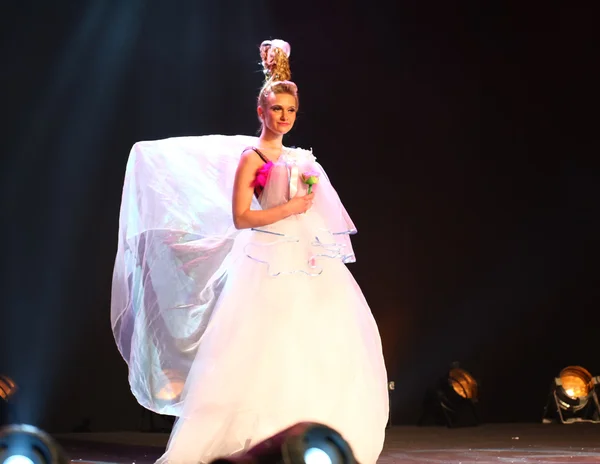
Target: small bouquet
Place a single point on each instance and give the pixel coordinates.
(310, 178)
(261, 175)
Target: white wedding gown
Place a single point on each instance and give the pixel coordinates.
(241, 334)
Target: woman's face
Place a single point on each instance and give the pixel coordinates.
(279, 113)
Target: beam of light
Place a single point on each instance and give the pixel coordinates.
(90, 69)
(19, 340)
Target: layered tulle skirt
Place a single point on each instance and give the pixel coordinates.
(291, 339)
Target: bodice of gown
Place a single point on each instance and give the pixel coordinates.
(285, 178)
(327, 218)
(321, 232)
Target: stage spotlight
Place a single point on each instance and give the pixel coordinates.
(172, 383)
(573, 397)
(303, 443)
(26, 444)
(8, 390)
(8, 387)
(463, 383)
(391, 389)
(452, 401)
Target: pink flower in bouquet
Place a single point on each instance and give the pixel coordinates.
(261, 175)
(310, 178)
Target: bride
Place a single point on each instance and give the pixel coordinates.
(232, 303)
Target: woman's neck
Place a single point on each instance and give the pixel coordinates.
(270, 140)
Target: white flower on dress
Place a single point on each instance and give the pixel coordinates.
(297, 156)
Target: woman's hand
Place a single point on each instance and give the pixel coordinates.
(300, 204)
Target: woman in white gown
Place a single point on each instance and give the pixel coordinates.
(232, 303)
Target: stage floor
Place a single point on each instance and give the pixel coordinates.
(493, 443)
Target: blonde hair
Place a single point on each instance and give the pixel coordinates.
(276, 68)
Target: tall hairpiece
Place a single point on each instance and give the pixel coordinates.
(273, 54)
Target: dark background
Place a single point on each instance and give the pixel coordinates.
(459, 136)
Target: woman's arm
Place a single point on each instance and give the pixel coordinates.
(243, 216)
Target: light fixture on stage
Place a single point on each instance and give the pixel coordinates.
(463, 384)
(170, 388)
(172, 383)
(8, 387)
(452, 401)
(391, 389)
(573, 397)
(8, 390)
(303, 443)
(26, 444)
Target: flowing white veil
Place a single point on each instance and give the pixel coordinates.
(176, 233)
